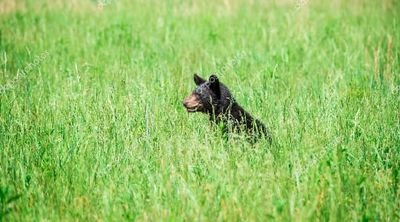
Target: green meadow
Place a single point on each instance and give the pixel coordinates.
(92, 126)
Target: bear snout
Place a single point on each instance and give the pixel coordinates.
(192, 103)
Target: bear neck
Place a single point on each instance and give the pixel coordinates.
(233, 112)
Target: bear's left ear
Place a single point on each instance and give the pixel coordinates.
(214, 85)
(198, 80)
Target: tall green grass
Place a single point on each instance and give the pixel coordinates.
(95, 130)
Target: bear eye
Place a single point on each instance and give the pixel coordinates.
(199, 90)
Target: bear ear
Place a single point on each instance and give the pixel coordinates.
(214, 85)
(213, 78)
(198, 80)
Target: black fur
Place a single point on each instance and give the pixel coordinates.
(214, 98)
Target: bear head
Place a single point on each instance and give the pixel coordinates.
(210, 96)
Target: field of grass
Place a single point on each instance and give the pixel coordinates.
(92, 126)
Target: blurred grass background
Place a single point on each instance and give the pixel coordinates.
(92, 126)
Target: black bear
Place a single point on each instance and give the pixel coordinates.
(214, 98)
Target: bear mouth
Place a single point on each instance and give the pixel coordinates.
(192, 109)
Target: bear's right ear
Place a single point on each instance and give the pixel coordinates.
(198, 80)
(214, 85)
